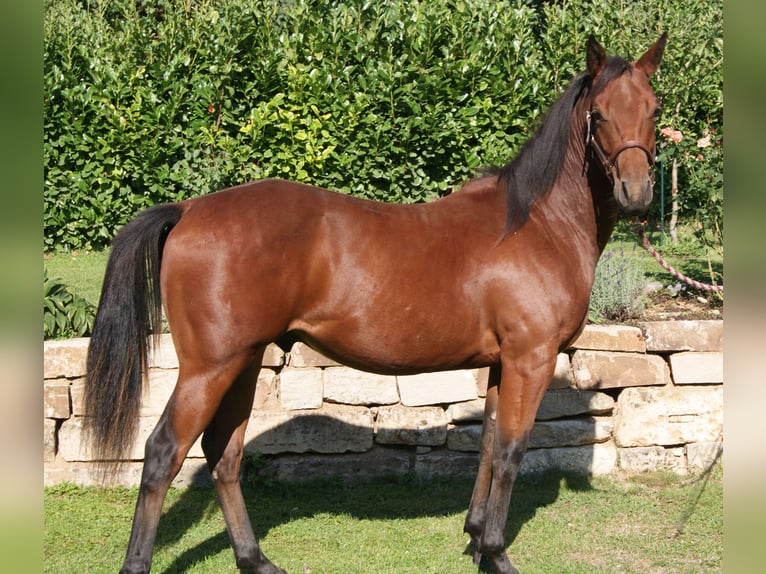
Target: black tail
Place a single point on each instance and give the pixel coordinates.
(129, 311)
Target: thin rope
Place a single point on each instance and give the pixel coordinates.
(676, 274)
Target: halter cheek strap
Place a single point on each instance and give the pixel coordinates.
(608, 162)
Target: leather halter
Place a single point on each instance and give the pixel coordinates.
(608, 162)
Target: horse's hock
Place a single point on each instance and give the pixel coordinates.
(623, 398)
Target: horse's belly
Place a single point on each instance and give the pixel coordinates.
(400, 351)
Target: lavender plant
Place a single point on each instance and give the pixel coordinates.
(617, 293)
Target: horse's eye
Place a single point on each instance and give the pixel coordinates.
(596, 116)
(657, 113)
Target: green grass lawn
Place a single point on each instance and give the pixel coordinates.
(558, 524)
(688, 257)
(82, 271)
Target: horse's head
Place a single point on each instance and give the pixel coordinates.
(621, 120)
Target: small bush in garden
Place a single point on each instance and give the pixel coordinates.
(617, 292)
(65, 313)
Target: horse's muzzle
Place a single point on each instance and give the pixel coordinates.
(633, 195)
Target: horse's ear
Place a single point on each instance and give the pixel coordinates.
(595, 57)
(650, 62)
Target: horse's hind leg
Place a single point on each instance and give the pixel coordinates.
(223, 442)
(162, 460)
(189, 411)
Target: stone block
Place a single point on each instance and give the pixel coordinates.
(652, 458)
(65, 358)
(562, 374)
(437, 388)
(351, 467)
(49, 440)
(545, 434)
(693, 368)
(595, 459)
(163, 356)
(162, 382)
(482, 381)
(301, 355)
(156, 394)
(667, 336)
(700, 455)
(465, 438)
(424, 426)
(434, 464)
(608, 369)
(668, 416)
(76, 394)
(352, 387)
(611, 338)
(301, 388)
(331, 429)
(56, 402)
(469, 411)
(571, 432)
(72, 447)
(266, 391)
(568, 403)
(273, 357)
(92, 474)
(193, 472)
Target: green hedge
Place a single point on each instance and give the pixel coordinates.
(149, 102)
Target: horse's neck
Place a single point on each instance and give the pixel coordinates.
(595, 205)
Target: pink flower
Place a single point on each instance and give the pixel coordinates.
(674, 135)
(704, 142)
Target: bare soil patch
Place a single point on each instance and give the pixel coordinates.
(687, 304)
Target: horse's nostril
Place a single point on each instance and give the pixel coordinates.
(625, 193)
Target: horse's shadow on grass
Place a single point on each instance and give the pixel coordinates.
(271, 503)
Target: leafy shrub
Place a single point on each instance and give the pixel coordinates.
(617, 292)
(395, 100)
(65, 313)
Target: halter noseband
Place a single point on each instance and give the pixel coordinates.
(608, 162)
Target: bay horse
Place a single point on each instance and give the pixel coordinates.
(496, 274)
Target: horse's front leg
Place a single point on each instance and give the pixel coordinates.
(525, 377)
(477, 509)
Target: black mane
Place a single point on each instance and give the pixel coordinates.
(531, 174)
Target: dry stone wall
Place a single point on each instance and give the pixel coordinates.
(622, 398)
